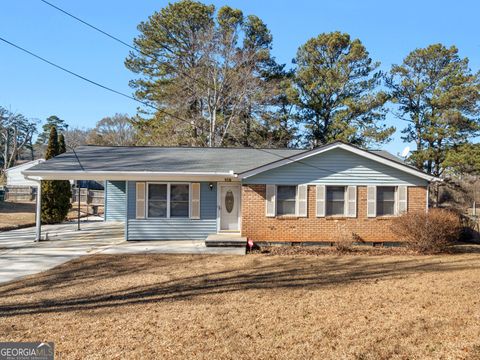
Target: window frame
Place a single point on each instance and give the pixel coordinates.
(147, 200)
(188, 201)
(345, 201)
(277, 202)
(395, 200)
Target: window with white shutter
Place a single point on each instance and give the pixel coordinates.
(140, 200)
(352, 201)
(335, 201)
(270, 200)
(371, 201)
(402, 192)
(195, 201)
(320, 200)
(286, 200)
(302, 203)
(386, 200)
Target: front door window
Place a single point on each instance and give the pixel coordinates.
(229, 206)
(229, 201)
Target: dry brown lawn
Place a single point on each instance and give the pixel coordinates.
(14, 214)
(253, 307)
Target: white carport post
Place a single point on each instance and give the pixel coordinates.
(38, 217)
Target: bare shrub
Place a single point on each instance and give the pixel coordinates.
(344, 239)
(431, 232)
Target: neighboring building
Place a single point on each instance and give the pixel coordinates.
(15, 177)
(264, 194)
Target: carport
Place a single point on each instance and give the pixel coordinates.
(69, 167)
(38, 179)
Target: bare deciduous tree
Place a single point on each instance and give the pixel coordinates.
(114, 131)
(16, 133)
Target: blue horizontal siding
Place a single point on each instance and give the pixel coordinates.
(170, 229)
(115, 202)
(132, 193)
(174, 228)
(208, 201)
(333, 167)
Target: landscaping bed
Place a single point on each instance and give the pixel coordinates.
(357, 250)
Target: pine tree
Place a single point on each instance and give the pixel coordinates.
(52, 149)
(336, 92)
(52, 121)
(438, 96)
(56, 194)
(62, 148)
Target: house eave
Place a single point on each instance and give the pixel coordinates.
(130, 175)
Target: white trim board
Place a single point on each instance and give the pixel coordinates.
(27, 164)
(130, 175)
(339, 145)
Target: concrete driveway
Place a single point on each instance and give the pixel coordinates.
(21, 256)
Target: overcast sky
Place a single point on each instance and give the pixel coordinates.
(389, 30)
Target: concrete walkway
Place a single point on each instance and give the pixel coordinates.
(20, 255)
(170, 247)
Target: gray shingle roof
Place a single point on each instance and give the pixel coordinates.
(170, 159)
(388, 156)
(163, 159)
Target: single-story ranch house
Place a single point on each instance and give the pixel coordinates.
(175, 193)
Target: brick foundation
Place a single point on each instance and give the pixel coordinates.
(257, 226)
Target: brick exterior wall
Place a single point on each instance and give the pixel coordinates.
(257, 226)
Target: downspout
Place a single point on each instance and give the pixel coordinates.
(428, 196)
(126, 210)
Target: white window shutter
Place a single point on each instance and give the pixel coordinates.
(351, 201)
(195, 201)
(302, 200)
(140, 200)
(270, 200)
(320, 200)
(371, 201)
(402, 192)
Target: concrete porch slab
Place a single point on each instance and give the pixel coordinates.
(226, 240)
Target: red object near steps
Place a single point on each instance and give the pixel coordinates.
(250, 244)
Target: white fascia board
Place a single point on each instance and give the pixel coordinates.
(27, 164)
(352, 149)
(130, 175)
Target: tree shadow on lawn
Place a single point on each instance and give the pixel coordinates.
(257, 272)
(78, 272)
(17, 207)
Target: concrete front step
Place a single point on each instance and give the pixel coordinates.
(226, 240)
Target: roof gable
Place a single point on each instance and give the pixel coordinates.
(391, 162)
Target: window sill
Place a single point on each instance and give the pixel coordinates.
(166, 218)
(336, 217)
(385, 217)
(286, 217)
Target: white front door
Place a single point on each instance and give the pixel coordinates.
(229, 207)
